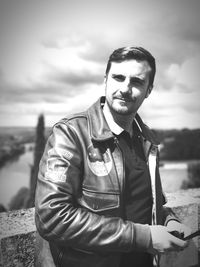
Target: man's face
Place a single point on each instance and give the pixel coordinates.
(127, 85)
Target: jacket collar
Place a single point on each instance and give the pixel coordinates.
(100, 131)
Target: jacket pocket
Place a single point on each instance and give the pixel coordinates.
(98, 201)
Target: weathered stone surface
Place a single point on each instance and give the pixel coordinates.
(17, 231)
(18, 250)
(185, 204)
(17, 222)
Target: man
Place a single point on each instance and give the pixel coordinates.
(99, 199)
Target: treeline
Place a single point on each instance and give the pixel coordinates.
(175, 144)
(13, 140)
(179, 144)
(10, 152)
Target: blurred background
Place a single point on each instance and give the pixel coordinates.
(53, 56)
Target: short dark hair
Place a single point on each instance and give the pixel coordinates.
(131, 52)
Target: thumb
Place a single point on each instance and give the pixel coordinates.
(178, 241)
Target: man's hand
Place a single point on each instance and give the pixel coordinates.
(173, 225)
(163, 241)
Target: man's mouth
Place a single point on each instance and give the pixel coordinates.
(124, 99)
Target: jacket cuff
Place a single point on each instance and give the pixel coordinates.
(141, 237)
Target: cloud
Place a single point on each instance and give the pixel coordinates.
(75, 78)
(68, 62)
(172, 109)
(98, 51)
(65, 40)
(189, 73)
(87, 47)
(53, 111)
(61, 74)
(38, 92)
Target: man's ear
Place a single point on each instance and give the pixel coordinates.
(149, 90)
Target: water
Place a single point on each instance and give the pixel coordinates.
(175, 174)
(173, 179)
(14, 175)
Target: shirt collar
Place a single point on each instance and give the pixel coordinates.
(114, 127)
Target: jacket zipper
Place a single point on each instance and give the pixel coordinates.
(153, 152)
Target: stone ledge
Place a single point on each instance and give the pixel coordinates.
(186, 206)
(17, 222)
(17, 233)
(18, 250)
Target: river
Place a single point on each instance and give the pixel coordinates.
(14, 175)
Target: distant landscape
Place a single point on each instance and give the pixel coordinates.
(176, 146)
(13, 139)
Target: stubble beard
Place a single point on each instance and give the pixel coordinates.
(121, 110)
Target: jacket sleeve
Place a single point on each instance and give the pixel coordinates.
(58, 215)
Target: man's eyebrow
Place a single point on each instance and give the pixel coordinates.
(118, 75)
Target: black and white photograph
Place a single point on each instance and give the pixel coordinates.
(99, 133)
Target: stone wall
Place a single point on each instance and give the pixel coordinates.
(17, 233)
(17, 238)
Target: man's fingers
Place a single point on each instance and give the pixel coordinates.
(179, 243)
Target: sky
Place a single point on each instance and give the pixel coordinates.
(53, 55)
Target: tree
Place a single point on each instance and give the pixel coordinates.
(2, 208)
(39, 148)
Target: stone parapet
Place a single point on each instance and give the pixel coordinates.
(186, 206)
(17, 238)
(17, 233)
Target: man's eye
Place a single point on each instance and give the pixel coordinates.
(119, 78)
(137, 81)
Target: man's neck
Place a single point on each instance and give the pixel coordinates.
(124, 121)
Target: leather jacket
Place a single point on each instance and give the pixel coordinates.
(78, 203)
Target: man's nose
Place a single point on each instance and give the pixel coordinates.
(125, 86)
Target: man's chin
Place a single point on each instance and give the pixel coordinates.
(122, 111)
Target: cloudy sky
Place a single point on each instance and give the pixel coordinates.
(53, 56)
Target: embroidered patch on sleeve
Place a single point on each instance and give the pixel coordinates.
(57, 170)
(61, 152)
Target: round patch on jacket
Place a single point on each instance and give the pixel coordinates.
(99, 163)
